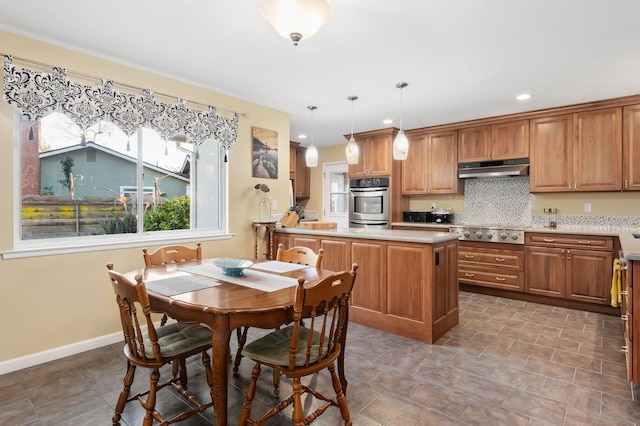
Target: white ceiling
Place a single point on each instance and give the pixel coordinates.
(463, 59)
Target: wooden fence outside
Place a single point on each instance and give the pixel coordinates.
(52, 216)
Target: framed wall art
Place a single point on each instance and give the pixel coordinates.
(265, 153)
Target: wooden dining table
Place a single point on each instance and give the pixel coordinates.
(197, 291)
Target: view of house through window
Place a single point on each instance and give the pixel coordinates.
(100, 181)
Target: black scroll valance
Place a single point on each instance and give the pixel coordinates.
(36, 94)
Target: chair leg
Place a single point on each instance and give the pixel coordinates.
(183, 372)
(242, 339)
(276, 382)
(124, 394)
(150, 404)
(251, 392)
(206, 362)
(298, 415)
(342, 401)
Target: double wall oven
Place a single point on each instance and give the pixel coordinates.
(369, 203)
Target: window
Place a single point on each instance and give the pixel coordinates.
(102, 182)
(74, 164)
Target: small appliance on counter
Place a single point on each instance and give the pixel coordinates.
(443, 216)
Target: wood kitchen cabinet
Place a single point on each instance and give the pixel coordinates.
(631, 148)
(405, 288)
(569, 266)
(630, 277)
(376, 156)
(299, 173)
(484, 264)
(500, 141)
(577, 152)
(432, 166)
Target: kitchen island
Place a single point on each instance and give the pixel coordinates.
(407, 281)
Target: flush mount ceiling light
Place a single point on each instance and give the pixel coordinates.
(296, 19)
(523, 96)
(311, 156)
(352, 150)
(400, 143)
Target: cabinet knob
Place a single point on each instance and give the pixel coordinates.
(548, 240)
(469, 275)
(500, 259)
(624, 293)
(500, 279)
(468, 256)
(624, 317)
(624, 349)
(586, 243)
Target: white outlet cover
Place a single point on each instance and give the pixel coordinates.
(274, 205)
(587, 207)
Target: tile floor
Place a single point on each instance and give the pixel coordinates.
(507, 363)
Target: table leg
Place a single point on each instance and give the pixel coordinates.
(343, 345)
(255, 241)
(219, 366)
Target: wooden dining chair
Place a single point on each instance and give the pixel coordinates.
(146, 347)
(298, 254)
(298, 351)
(171, 254)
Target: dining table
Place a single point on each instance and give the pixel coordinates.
(198, 291)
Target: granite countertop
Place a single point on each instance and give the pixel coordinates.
(378, 234)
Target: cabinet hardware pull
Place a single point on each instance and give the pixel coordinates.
(500, 259)
(469, 275)
(625, 184)
(500, 279)
(574, 185)
(548, 240)
(624, 293)
(568, 254)
(584, 242)
(624, 317)
(469, 256)
(624, 349)
(569, 185)
(562, 255)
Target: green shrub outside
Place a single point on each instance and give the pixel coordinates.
(172, 214)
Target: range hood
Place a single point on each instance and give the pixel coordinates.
(496, 168)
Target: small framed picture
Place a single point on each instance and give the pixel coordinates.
(265, 153)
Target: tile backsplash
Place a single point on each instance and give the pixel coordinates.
(507, 201)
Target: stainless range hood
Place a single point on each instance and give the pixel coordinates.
(496, 168)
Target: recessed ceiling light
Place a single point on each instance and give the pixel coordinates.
(387, 121)
(302, 136)
(523, 96)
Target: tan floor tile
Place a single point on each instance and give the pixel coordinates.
(481, 413)
(519, 378)
(579, 361)
(603, 383)
(519, 335)
(558, 343)
(550, 369)
(574, 395)
(532, 350)
(537, 406)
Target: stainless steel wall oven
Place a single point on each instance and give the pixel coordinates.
(369, 203)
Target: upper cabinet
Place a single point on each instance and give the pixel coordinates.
(577, 152)
(631, 148)
(494, 142)
(299, 173)
(376, 157)
(432, 165)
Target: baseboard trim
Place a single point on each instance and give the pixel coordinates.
(57, 353)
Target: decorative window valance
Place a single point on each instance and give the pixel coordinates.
(36, 94)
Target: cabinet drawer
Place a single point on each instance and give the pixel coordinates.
(592, 242)
(491, 259)
(513, 281)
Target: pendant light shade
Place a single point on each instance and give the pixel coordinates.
(400, 142)
(352, 150)
(296, 19)
(311, 156)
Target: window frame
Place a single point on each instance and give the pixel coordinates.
(66, 245)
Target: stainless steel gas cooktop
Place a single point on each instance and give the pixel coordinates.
(490, 233)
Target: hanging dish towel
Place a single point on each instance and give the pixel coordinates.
(616, 291)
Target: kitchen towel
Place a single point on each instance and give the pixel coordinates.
(616, 291)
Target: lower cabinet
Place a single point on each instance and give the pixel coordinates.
(409, 289)
(485, 265)
(630, 274)
(571, 267)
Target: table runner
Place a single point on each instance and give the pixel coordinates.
(279, 267)
(253, 279)
(178, 285)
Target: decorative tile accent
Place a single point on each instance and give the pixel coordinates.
(507, 201)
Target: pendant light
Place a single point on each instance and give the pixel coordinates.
(400, 143)
(352, 150)
(296, 19)
(311, 156)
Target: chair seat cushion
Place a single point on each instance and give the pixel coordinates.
(274, 347)
(178, 338)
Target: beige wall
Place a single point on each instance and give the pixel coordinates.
(53, 301)
(332, 154)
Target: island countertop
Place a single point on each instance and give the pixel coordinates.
(407, 236)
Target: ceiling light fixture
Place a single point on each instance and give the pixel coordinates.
(400, 143)
(523, 96)
(296, 19)
(352, 150)
(311, 156)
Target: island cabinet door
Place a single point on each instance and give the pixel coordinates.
(445, 281)
(406, 275)
(369, 288)
(309, 242)
(336, 255)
